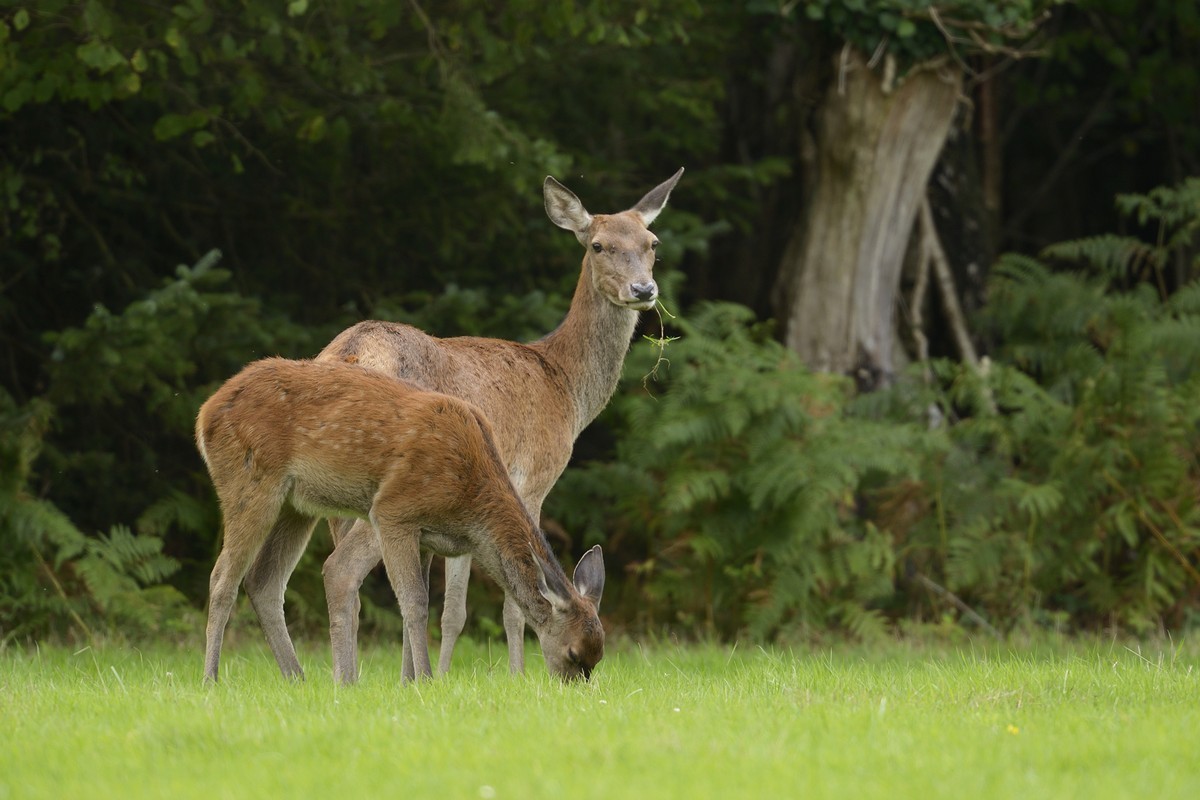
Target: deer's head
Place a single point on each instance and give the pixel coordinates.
(620, 247)
(572, 639)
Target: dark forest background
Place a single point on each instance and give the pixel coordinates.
(932, 270)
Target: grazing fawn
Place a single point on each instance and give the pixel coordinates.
(287, 442)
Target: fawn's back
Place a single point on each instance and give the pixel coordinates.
(328, 436)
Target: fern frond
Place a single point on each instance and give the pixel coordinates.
(1110, 255)
(179, 510)
(864, 623)
(1037, 501)
(1186, 300)
(1175, 208)
(139, 556)
(687, 489)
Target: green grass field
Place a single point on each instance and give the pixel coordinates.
(1088, 720)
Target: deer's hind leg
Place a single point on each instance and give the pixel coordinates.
(248, 524)
(267, 580)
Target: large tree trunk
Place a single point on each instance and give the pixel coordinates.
(875, 146)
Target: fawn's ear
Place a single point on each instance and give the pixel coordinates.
(550, 583)
(649, 206)
(589, 575)
(565, 210)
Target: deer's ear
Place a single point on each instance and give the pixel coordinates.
(550, 583)
(589, 575)
(565, 210)
(648, 207)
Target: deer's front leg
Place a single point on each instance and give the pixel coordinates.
(454, 610)
(401, 545)
(356, 553)
(514, 632)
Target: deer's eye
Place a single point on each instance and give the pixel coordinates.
(597, 247)
(654, 245)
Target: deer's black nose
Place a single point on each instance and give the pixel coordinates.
(644, 291)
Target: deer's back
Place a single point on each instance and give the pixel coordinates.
(334, 434)
(522, 395)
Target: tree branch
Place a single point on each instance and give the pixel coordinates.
(1066, 157)
(932, 245)
(58, 587)
(917, 302)
(1192, 572)
(957, 602)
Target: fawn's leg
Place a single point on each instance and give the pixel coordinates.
(454, 611)
(267, 580)
(401, 545)
(248, 523)
(355, 554)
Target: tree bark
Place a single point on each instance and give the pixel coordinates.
(840, 276)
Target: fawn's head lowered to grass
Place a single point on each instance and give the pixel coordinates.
(573, 639)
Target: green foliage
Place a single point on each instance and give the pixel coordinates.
(457, 311)
(739, 486)
(1078, 497)
(260, 114)
(1116, 91)
(1070, 488)
(1173, 212)
(915, 31)
(1116, 431)
(112, 434)
(156, 344)
(1149, 51)
(126, 387)
(1111, 255)
(1169, 214)
(53, 576)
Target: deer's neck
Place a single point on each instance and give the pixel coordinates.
(589, 348)
(503, 551)
(522, 577)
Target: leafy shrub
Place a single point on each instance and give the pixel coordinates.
(52, 576)
(111, 439)
(1070, 490)
(734, 497)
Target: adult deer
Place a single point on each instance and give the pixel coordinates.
(537, 396)
(287, 442)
